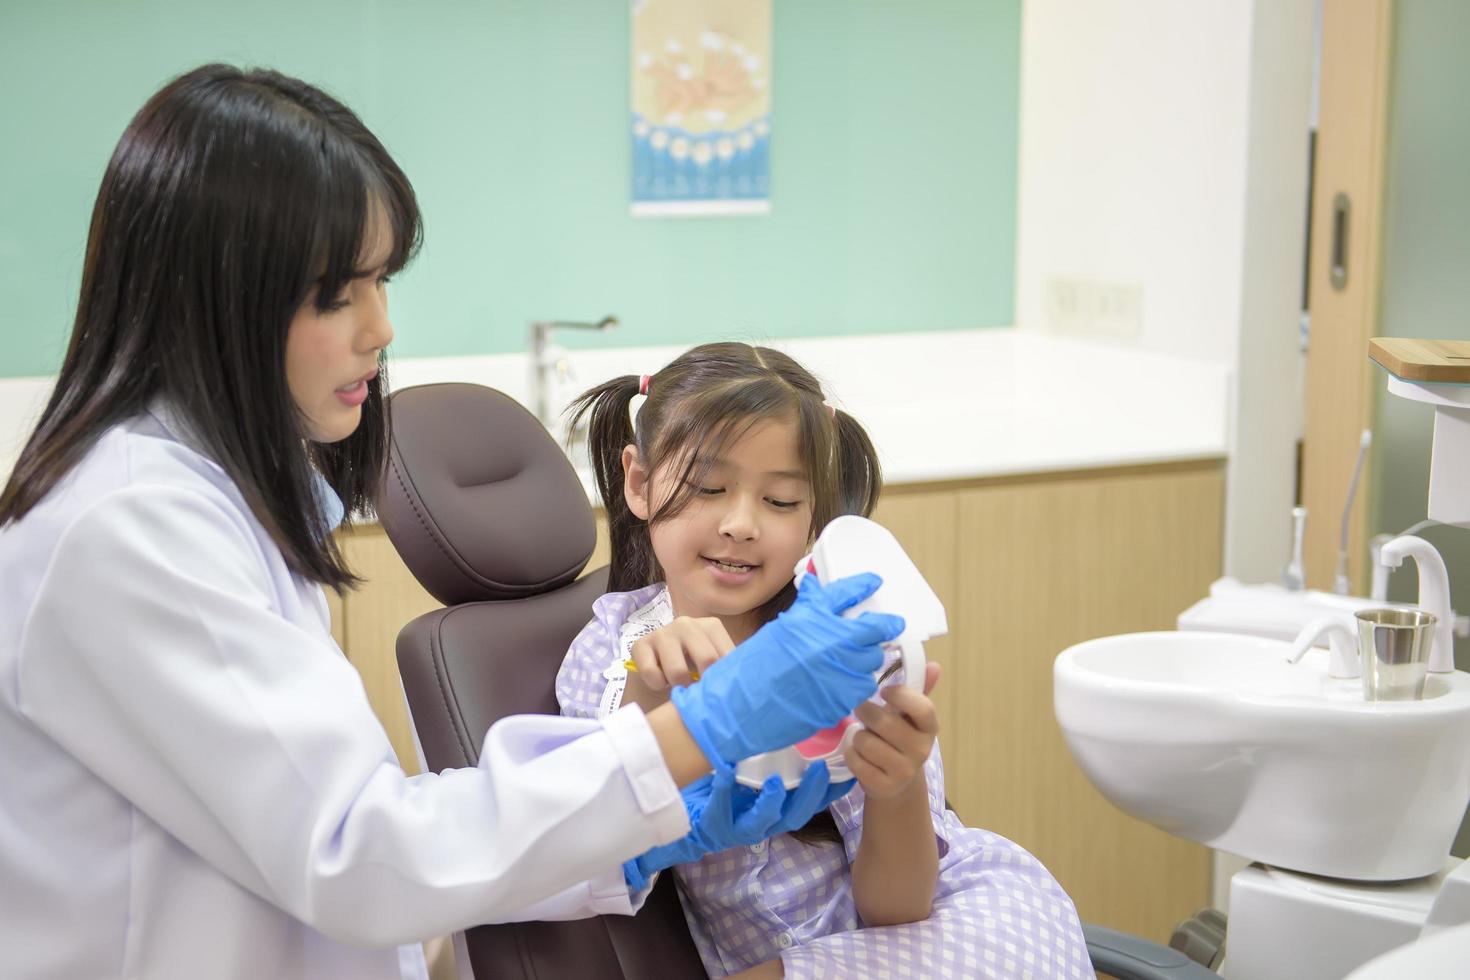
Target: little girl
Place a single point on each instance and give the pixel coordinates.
(735, 464)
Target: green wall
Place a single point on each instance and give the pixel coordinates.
(893, 162)
(1426, 263)
(1425, 287)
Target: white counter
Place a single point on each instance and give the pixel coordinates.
(991, 403)
(939, 406)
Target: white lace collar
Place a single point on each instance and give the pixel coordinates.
(655, 614)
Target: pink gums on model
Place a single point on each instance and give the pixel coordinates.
(825, 742)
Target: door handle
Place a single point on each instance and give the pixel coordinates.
(1341, 211)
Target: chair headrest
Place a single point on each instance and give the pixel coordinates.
(480, 501)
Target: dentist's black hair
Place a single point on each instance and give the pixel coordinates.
(230, 196)
(702, 402)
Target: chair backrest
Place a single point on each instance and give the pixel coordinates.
(490, 517)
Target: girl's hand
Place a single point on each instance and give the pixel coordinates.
(896, 739)
(671, 656)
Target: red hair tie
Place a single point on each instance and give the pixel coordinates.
(643, 384)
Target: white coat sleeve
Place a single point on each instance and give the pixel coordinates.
(154, 655)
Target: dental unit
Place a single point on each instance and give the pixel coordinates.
(1342, 773)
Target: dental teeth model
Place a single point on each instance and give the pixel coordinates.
(847, 546)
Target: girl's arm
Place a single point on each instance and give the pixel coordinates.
(681, 753)
(897, 864)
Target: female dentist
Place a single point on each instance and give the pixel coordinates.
(191, 780)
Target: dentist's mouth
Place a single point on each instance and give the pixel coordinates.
(353, 395)
(356, 393)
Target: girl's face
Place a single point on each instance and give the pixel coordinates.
(331, 355)
(737, 542)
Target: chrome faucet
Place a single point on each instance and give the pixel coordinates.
(547, 360)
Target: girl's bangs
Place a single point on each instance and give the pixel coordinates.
(723, 420)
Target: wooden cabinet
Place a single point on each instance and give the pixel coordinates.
(1026, 567)
(367, 622)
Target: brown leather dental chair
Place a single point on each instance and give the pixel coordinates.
(490, 517)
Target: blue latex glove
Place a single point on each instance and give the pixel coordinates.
(815, 793)
(802, 672)
(724, 814)
(716, 822)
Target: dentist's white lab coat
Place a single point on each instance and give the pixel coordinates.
(192, 783)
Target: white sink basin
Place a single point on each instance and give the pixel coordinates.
(1216, 738)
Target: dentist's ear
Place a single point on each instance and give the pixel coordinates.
(635, 484)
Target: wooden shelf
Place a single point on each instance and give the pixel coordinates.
(1424, 361)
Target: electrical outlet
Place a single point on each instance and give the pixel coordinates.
(1092, 306)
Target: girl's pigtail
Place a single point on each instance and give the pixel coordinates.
(609, 429)
(861, 473)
